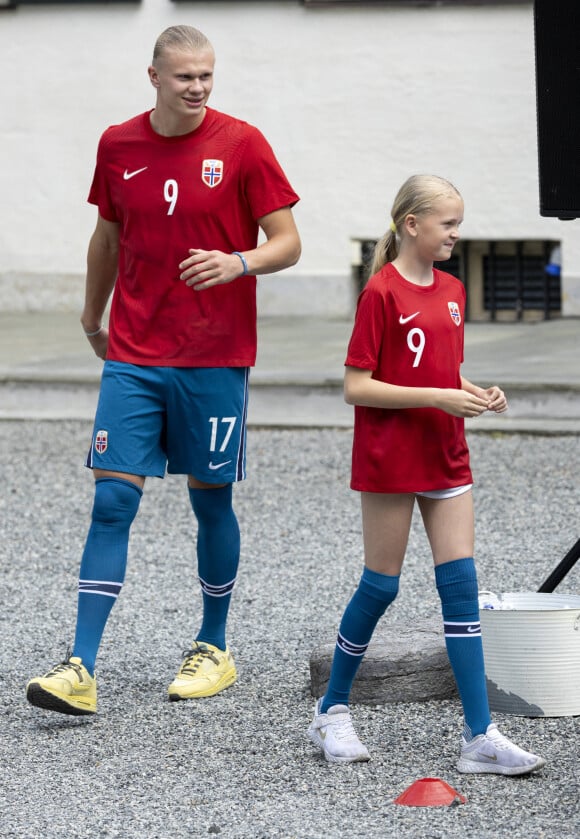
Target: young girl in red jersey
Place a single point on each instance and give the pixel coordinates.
(403, 377)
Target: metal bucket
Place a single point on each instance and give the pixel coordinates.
(531, 645)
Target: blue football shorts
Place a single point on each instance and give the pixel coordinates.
(183, 420)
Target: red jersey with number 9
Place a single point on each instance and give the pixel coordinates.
(206, 189)
(409, 335)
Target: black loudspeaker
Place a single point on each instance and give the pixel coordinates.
(557, 40)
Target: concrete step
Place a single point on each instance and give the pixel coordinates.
(553, 410)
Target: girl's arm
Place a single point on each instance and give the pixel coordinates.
(361, 389)
(495, 396)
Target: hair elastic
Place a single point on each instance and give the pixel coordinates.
(393, 227)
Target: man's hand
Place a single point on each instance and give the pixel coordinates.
(100, 342)
(204, 269)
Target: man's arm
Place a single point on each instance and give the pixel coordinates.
(282, 248)
(102, 267)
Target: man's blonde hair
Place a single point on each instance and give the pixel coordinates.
(184, 38)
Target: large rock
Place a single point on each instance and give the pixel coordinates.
(402, 664)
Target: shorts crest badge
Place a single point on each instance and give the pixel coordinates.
(455, 313)
(101, 441)
(212, 172)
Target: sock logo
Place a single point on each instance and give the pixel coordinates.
(349, 647)
(459, 629)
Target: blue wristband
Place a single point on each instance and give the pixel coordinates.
(244, 263)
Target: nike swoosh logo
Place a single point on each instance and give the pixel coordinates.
(128, 175)
(218, 465)
(408, 318)
(473, 629)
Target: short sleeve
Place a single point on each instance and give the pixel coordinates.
(367, 334)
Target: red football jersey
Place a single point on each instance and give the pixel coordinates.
(409, 335)
(205, 189)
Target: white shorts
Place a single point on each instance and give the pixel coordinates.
(451, 492)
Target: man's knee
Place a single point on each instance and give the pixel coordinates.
(116, 501)
(194, 483)
(210, 505)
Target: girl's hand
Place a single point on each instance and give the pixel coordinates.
(497, 399)
(461, 403)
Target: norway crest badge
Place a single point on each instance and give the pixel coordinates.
(212, 172)
(101, 441)
(455, 313)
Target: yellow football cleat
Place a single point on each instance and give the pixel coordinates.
(205, 671)
(67, 688)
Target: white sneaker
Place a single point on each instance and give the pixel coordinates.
(333, 732)
(492, 752)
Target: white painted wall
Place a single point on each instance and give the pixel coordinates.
(353, 100)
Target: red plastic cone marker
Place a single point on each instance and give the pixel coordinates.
(430, 792)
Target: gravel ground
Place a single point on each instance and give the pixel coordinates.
(239, 765)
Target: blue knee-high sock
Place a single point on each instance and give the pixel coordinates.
(218, 556)
(457, 587)
(104, 562)
(374, 593)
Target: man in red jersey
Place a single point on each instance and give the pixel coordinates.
(182, 192)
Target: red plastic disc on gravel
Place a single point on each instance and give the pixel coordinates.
(430, 792)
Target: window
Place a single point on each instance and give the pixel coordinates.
(320, 3)
(12, 4)
(520, 281)
(330, 3)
